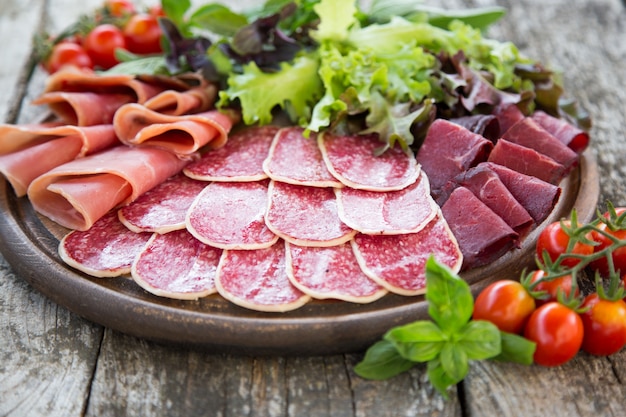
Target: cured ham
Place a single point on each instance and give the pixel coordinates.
(258, 280)
(240, 159)
(527, 161)
(398, 262)
(137, 125)
(79, 192)
(296, 159)
(107, 249)
(176, 103)
(231, 216)
(84, 108)
(353, 161)
(576, 139)
(393, 212)
(332, 272)
(305, 216)
(163, 208)
(176, 265)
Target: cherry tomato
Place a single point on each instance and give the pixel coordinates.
(618, 255)
(605, 325)
(67, 53)
(552, 287)
(119, 8)
(554, 240)
(157, 11)
(143, 34)
(101, 43)
(558, 332)
(506, 304)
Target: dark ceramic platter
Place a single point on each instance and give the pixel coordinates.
(320, 327)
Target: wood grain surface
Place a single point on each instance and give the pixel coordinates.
(54, 363)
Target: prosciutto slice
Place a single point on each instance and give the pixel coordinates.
(137, 125)
(176, 103)
(79, 192)
(230, 216)
(398, 262)
(176, 265)
(570, 135)
(240, 159)
(353, 161)
(84, 108)
(298, 160)
(305, 216)
(163, 208)
(527, 161)
(389, 213)
(107, 249)
(258, 280)
(330, 273)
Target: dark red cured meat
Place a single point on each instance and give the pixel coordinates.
(537, 196)
(306, 216)
(257, 280)
(231, 216)
(352, 160)
(107, 249)
(164, 207)
(528, 133)
(482, 235)
(527, 161)
(486, 125)
(177, 265)
(330, 273)
(485, 184)
(507, 114)
(397, 262)
(240, 159)
(448, 150)
(576, 139)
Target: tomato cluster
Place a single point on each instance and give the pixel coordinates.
(117, 25)
(547, 306)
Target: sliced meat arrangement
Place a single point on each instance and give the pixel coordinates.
(76, 108)
(527, 161)
(575, 138)
(177, 103)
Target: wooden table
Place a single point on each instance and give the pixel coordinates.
(54, 363)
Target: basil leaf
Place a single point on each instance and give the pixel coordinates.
(176, 9)
(516, 349)
(218, 19)
(454, 361)
(420, 341)
(480, 340)
(450, 301)
(382, 361)
(151, 65)
(440, 379)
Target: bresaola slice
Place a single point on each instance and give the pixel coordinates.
(176, 265)
(526, 161)
(575, 138)
(258, 280)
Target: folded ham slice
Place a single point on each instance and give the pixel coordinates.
(79, 192)
(575, 138)
(84, 108)
(137, 125)
(176, 103)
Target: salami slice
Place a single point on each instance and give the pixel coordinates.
(298, 160)
(398, 262)
(240, 159)
(84, 109)
(231, 216)
(353, 161)
(108, 249)
(332, 272)
(257, 280)
(388, 213)
(163, 208)
(177, 265)
(305, 216)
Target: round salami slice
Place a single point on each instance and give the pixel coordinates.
(231, 216)
(353, 160)
(331, 273)
(398, 262)
(107, 249)
(163, 208)
(257, 280)
(305, 216)
(389, 213)
(240, 159)
(296, 159)
(177, 265)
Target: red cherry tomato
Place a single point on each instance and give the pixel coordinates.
(554, 240)
(605, 325)
(101, 43)
(552, 287)
(157, 11)
(558, 332)
(143, 34)
(506, 304)
(65, 54)
(618, 255)
(119, 8)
